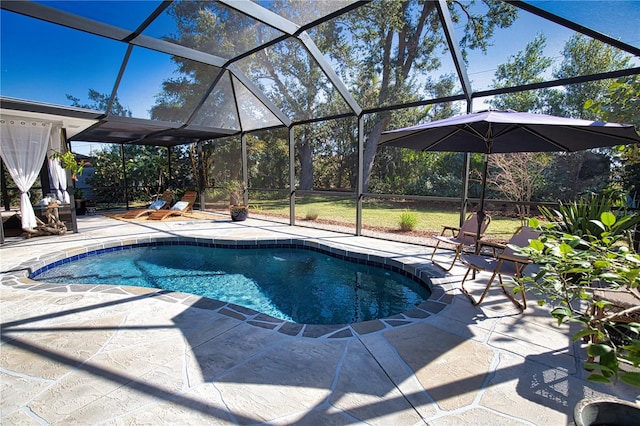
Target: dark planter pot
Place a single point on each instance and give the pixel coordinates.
(592, 412)
(81, 207)
(239, 213)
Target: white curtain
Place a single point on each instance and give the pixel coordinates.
(57, 173)
(23, 149)
(55, 181)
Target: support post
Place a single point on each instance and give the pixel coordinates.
(292, 178)
(245, 169)
(71, 184)
(5, 192)
(200, 176)
(124, 176)
(169, 183)
(465, 187)
(45, 182)
(5, 197)
(360, 182)
(72, 204)
(465, 177)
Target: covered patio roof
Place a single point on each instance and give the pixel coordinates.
(229, 72)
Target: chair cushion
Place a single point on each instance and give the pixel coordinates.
(157, 205)
(478, 262)
(180, 205)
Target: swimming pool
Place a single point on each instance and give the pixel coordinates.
(290, 283)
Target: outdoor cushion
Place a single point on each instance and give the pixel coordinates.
(157, 205)
(180, 205)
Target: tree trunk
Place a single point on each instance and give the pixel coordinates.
(305, 155)
(371, 148)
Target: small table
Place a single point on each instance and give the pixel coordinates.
(620, 301)
(619, 309)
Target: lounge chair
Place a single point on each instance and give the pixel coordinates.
(163, 202)
(178, 209)
(503, 262)
(464, 236)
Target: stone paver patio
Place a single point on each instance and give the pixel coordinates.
(121, 355)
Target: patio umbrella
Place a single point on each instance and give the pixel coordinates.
(491, 132)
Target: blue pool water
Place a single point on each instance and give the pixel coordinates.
(297, 285)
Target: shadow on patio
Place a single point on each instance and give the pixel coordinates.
(152, 357)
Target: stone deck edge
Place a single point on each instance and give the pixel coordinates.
(440, 299)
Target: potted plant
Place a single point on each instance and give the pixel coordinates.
(605, 411)
(68, 162)
(589, 274)
(236, 190)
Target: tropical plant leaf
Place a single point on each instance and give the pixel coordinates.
(631, 378)
(598, 378)
(586, 332)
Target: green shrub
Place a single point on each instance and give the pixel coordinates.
(312, 214)
(408, 221)
(582, 218)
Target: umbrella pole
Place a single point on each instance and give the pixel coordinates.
(481, 214)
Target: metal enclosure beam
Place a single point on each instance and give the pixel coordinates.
(57, 16)
(465, 177)
(70, 183)
(169, 184)
(292, 178)
(245, 170)
(330, 73)
(254, 10)
(360, 181)
(248, 84)
(575, 26)
(178, 50)
(456, 54)
(124, 176)
(200, 176)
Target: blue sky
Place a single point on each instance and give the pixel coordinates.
(596, 14)
(47, 61)
(44, 62)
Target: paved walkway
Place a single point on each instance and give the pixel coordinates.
(99, 354)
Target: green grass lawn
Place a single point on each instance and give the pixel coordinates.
(380, 214)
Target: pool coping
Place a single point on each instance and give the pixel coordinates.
(417, 270)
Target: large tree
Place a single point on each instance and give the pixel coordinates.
(620, 103)
(380, 45)
(100, 101)
(396, 44)
(526, 67)
(517, 177)
(146, 168)
(585, 56)
(285, 71)
(568, 175)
